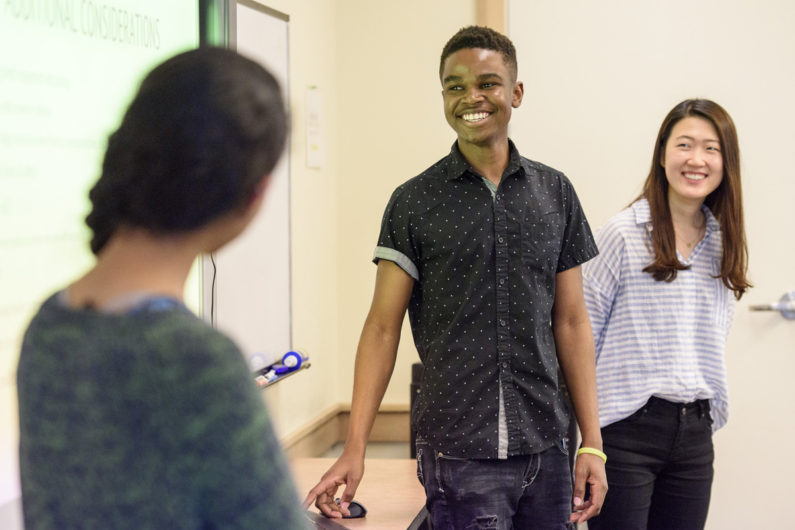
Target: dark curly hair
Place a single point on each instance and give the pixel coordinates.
(481, 37)
(200, 134)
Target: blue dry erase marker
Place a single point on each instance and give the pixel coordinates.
(294, 359)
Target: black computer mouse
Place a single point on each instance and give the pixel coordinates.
(356, 509)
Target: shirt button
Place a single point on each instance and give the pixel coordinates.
(502, 322)
(499, 239)
(502, 281)
(684, 411)
(504, 364)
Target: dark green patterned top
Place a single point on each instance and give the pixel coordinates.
(150, 419)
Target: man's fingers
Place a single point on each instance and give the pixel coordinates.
(350, 491)
(310, 498)
(328, 506)
(347, 495)
(598, 490)
(331, 510)
(580, 477)
(591, 507)
(590, 510)
(323, 496)
(581, 513)
(321, 487)
(590, 473)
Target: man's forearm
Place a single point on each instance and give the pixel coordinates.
(375, 361)
(576, 356)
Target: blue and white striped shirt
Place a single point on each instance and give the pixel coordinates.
(663, 339)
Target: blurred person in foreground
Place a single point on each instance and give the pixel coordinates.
(133, 412)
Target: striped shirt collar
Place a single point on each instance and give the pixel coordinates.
(642, 213)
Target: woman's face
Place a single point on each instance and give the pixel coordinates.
(692, 160)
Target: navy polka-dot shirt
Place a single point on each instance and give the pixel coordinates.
(484, 261)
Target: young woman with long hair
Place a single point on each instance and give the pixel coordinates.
(661, 299)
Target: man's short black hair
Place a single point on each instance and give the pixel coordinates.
(481, 37)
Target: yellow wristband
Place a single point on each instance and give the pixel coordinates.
(592, 451)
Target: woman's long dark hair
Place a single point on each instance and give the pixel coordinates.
(725, 202)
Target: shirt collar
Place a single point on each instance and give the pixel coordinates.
(643, 215)
(642, 211)
(458, 165)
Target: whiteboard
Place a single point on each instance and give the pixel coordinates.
(247, 291)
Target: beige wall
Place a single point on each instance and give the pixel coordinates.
(599, 78)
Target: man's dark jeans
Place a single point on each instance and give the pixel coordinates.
(659, 468)
(523, 492)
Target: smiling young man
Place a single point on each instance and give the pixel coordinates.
(484, 250)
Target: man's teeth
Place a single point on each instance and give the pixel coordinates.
(477, 116)
(695, 176)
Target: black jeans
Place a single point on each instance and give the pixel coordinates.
(659, 468)
(530, 492)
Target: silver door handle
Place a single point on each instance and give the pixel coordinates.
(785, 305)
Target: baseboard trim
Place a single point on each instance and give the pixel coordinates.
(392, 424)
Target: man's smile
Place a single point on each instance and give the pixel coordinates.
(473, 117)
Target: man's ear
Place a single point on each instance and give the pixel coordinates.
(517, 95)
